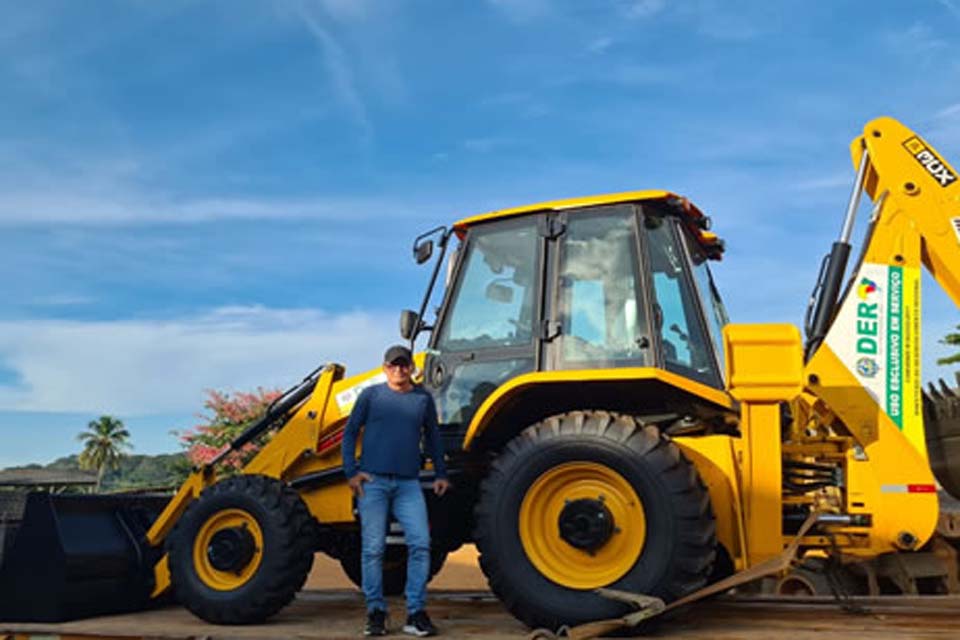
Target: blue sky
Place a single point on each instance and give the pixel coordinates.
(223, 194)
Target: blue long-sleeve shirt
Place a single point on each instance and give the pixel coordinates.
(393, 424)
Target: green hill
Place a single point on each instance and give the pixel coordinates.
(135, 471)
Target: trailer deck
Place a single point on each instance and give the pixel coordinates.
(338, 614)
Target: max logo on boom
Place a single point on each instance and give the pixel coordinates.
(929, 160)
(868, 327)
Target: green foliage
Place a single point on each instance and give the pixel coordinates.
(104, 443)
(229, 415)
(952, 340)
(164, 471)
(148, 472)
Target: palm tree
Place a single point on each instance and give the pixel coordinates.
(104, 443)
(951, 340)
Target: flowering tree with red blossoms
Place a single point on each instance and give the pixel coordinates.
(227, 416)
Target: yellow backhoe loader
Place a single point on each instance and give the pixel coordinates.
(616, 446)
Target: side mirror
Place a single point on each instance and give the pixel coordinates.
(409, 323)
(499, 293)
(422, 251)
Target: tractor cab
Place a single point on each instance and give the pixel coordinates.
(618, 281)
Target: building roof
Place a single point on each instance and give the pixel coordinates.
(46, 477)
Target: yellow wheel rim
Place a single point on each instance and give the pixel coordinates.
(206, 571)
(558, 559)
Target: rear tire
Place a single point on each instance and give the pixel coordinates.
(617, 457)
(394, 567)
(265, 575)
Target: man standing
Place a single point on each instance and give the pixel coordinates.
(394, 416)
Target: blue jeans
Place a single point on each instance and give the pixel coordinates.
(401, 496)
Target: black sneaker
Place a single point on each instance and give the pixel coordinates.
(376, 623)
(418, 624)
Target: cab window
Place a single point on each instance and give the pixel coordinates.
(709, 296)
(597, 290)
(493, 304)
(686, 349)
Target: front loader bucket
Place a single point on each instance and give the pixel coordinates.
(64, 557)
(941, 414)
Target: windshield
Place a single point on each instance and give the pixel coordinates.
(493, 301)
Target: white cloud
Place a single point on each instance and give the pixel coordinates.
(644, 8)
(91, 188)
(517, 103)
(731, 21)
(949, 112)
(67, 204)
(600, 45)
(952, 7)
(525, 11)
(349, 10)
(944, 131)
(825, 183)
(141, 367)
(342, 78)
(918, 40)
(62, 300)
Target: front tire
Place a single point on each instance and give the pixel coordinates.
(242, 550)
(591, 499)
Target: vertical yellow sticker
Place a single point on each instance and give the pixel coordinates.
(912, 425)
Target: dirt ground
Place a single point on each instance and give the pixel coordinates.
(460, 572)
(317, 615)
(331, 608)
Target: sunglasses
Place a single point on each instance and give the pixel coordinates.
(400, 365)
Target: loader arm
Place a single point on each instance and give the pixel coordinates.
(295, 412)
(863, 378)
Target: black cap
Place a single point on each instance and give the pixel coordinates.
(397, 352)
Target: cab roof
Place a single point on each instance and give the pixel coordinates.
(695, 219)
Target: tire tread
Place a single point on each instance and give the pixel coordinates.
(696, 547)
(289, 567)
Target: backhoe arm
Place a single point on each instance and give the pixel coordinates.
(863, 378)
(918, 185)
(868, 366)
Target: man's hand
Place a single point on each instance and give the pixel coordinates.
(440, 486)
(356, 483)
